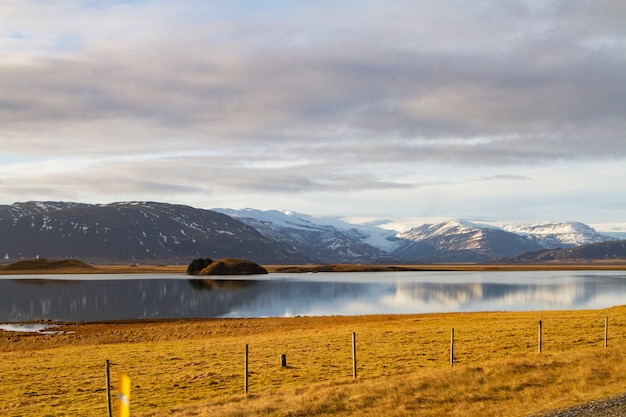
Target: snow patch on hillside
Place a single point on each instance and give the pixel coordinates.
(367, 232)
(558, 234)
(388, 234)
(285, 218)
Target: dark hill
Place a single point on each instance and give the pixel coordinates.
(135, 232)
(603, 251)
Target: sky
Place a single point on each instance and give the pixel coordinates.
(502, 111)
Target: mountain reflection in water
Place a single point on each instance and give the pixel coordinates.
(110, 298)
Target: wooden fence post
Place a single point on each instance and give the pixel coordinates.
(245, 371)
(283, 360)
(539, 337)
(452, 347)
(354, 354)
(606, 331)
(108, 382)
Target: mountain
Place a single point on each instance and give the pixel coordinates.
(602, 251)
(314, 238)
(459, 241)
(131, 232)
(18, 210)
(167, 233)
(448, 241)
(552, 235)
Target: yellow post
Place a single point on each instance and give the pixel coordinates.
(123, 396)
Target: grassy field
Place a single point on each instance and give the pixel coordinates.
(195, 367)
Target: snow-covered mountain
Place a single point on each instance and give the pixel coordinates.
(338, 240)
(459, 241)
(161, 232)
(17, 210)
(327, 240)
(553, 235)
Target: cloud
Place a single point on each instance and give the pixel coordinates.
(200, 85)
(505, 177)
(293, 98)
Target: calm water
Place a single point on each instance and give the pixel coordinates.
(112, 297)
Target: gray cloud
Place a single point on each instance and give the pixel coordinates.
(209, 91)
(163, 178)
(322, 96)
(505, 177)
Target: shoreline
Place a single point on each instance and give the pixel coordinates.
(182, 269)
(444, 267)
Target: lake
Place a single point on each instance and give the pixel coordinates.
(156, 296)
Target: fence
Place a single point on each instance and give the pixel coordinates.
(455, 348)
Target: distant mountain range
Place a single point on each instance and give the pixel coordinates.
(444, 242)
(149, 232)
(602, 251)
(460, 241)
(557, 235)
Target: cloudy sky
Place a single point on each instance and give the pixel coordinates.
(494, 110)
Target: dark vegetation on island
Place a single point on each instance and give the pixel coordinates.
(226, 266)
(197, 265)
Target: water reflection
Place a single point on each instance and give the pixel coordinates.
(95, 299)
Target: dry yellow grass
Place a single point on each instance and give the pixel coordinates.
(195, 367)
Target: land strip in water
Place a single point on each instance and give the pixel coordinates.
(44, 266)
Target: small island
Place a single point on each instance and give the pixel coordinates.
(48, 266)
(226, 266)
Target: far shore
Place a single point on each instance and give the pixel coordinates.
(182, 269)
